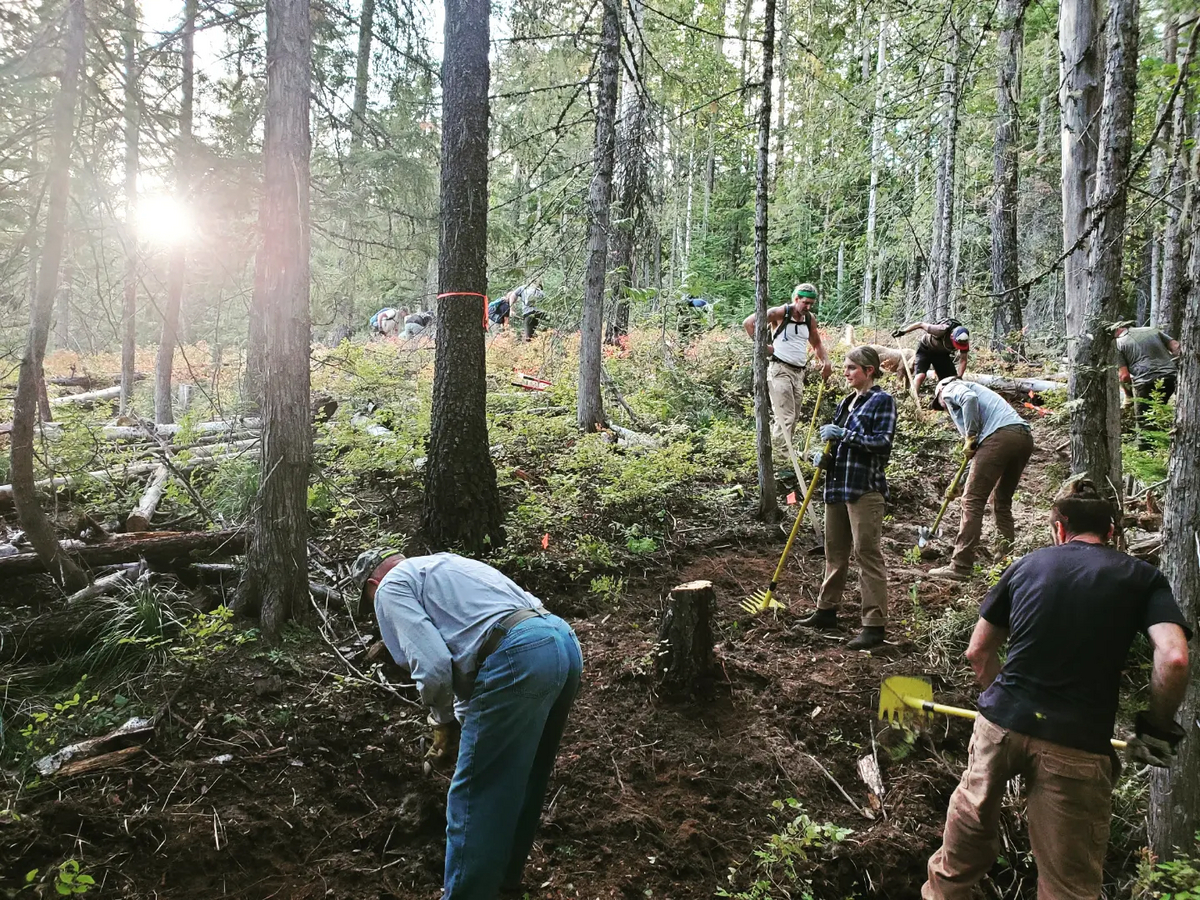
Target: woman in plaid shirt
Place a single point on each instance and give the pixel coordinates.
(855, 494)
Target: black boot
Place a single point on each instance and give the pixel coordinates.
(822, 618)
(870, 636)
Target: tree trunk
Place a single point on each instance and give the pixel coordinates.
(1171, 292)
(1079, 102)
(1006, 309)
(276, 579)
(684, 653)
(781, 59)
(590, 405)
(163, 414)
(362, 72)
(132, 113)
(462, 501)
(941, 245)
(62, 320)
(1158, 172)
(633, 186)
(1094, 400)
(768, 509)
(1175, 793)
(38, 529)
(871, 264)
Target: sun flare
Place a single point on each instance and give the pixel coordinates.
(163, 220)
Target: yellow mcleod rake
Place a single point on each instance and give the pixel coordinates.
(900, 695)
(761, 601)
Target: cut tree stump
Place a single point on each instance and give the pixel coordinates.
(684, 653)
(161, 549)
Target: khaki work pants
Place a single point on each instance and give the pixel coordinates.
(785, 384)
(1069, 804)
(857, 526)
(995, 471)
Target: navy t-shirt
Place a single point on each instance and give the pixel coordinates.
(1072, 612)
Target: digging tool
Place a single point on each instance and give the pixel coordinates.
(791, 450)
(900, 693)
(925, 535)
(812, 423)
(761, 601)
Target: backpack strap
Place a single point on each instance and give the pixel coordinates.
(788, 320)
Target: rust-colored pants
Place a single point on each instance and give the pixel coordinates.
(1069, 804)
(857, 526)
(996, 471)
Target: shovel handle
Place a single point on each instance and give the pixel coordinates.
(812, 423)
(808, 495)
(950, 493)
(930, 707)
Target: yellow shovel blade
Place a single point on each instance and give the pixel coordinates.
(895, 692)
(760, 602)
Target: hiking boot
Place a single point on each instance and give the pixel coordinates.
(950, 572)
(822, 618)
(870, 636)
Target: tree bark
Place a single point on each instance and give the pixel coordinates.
(870, 266)
(1171, 292)
(684, 654)
(768, 509)
(362, 72)
(462, 501)
(1006, 309)
(1092, 387)
(1175, 793)
(38, 528)
(941, 245)
(1080, 81)
(631, 176)
(132, 121)
(176, 270)
(276, 578)
(590, 404)
(162, 548)
(1158, 172)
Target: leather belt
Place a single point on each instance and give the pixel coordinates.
(502, 628)
(786, 363)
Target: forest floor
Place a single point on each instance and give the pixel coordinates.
(278, 772)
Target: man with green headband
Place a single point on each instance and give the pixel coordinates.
(793, 330)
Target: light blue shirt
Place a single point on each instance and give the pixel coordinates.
(977, 410)
(434, 614)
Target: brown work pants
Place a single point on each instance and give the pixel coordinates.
(785, 385)
(1068, 804)
(996, 472)
(857, 526)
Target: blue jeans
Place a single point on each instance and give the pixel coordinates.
(510, 736)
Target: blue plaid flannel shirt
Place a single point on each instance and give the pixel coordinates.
(860, 458)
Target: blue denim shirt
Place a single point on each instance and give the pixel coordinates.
(434, 614)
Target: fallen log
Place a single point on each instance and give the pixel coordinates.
(99, 763)
(219, 429)
(159, 549)
(139, 518)
(112, 393)
(200, 456)
(90, 382)
(101, 586)
(1015, 385)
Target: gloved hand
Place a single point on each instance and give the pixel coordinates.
(444, 747)
(899, 333)
(832, 432)
(970, 445)
(1152, 745)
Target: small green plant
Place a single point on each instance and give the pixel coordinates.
(68, 878)
(1177, 879)
(608, 588)
(775, 862)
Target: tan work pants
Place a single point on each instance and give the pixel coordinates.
(857, 526)
(785, 384)
(1069, 804)
(995, 471)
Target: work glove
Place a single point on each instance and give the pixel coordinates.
(1153, 745)
(970, 445)
(816, 456)
(899, 333)
(832, 432)
(444, 746)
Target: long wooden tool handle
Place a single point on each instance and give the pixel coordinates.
(930, 706)
(787, 548)
(812, 423)
(950, 493)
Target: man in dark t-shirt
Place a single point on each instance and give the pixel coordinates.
(936, 349)
(1069, 613)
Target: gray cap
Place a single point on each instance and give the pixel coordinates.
(366, 563)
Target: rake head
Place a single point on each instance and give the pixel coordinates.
(898, 694)
(925, 535)
(760, 602)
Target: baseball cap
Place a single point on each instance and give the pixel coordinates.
(366, 564)
(936, 402)
(960, 337)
